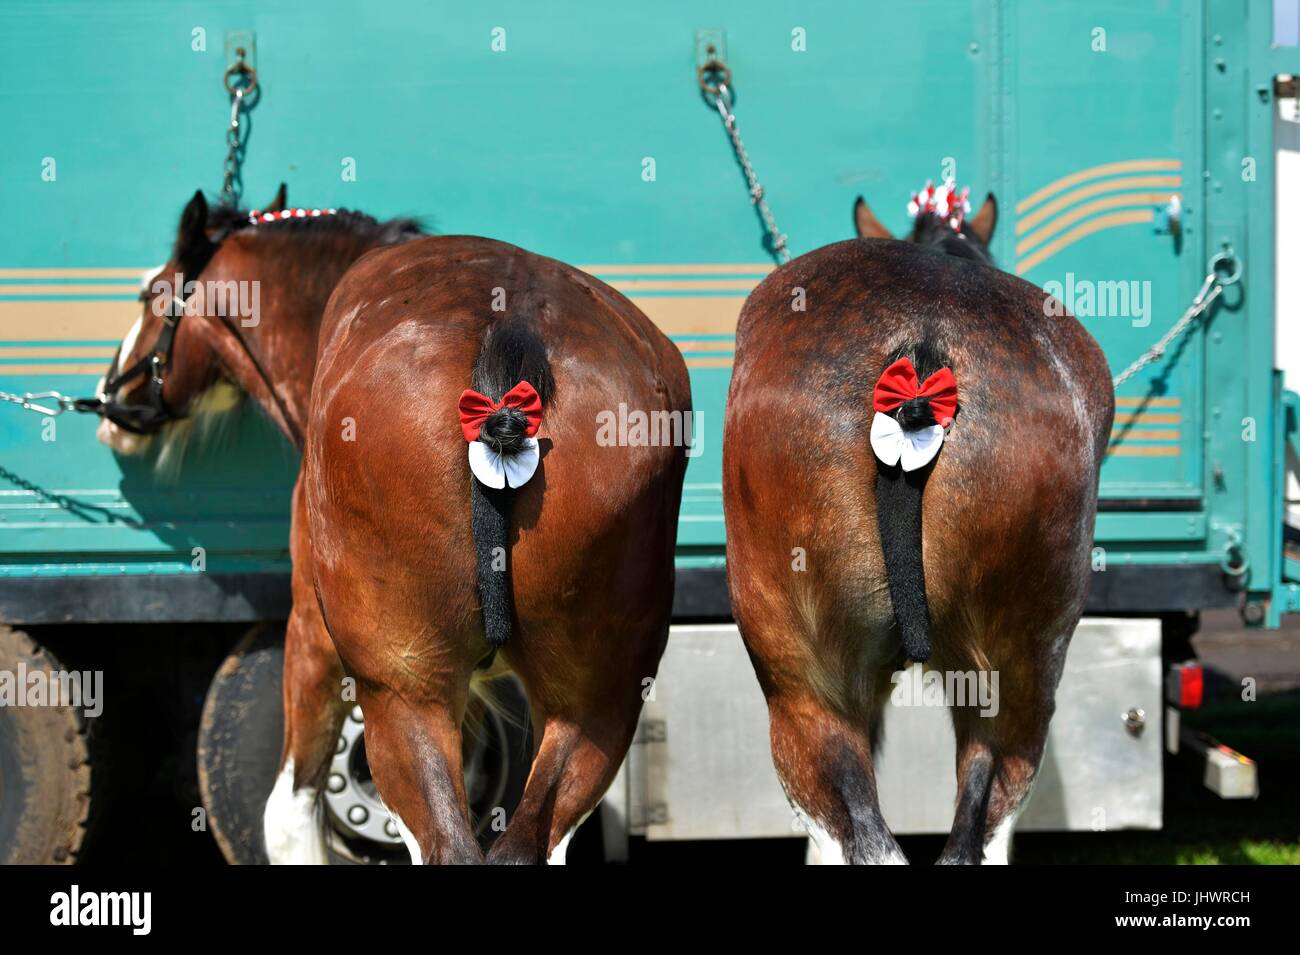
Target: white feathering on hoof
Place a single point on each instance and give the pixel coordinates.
(292, 824)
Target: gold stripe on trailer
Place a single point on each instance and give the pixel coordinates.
(628, 286)
(1143, 418)
(685, 268)
(1148, 402)
(1109, 221)
(131, 290)
(1094, 172)
(59, 351)
(124, 273)
(1156, 434)
(98, 368)
(686, 315)
(686, 346)
(1088, 208)
(75, 321)
(1145, 451)
(1095, 189)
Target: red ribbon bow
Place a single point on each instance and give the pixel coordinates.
(899, 383)
(475, 408)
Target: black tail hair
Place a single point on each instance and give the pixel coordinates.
(898, 514)
(512, 352)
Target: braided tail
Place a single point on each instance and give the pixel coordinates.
(900, 481)
(511, 353)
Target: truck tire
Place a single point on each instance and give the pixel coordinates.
(45, 768)
(239, 743)
(240, 737)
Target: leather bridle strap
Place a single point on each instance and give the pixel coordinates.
(294, 435)
(148, 418)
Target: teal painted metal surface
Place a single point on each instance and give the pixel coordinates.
(1083, 135)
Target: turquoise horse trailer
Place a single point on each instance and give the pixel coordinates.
(1130, 148)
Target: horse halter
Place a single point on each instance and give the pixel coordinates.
(145, 418)
(149, 418)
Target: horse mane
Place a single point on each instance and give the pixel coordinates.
(934, 231)
(229, 219)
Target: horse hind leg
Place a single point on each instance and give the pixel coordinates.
(975, 768)
(576, 761)
(415, 756)
(825, 764)
(314, 710)
(997, 760)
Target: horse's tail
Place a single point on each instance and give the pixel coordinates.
(898, 511)
(511, 353)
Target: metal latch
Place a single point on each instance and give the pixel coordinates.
(652, 731)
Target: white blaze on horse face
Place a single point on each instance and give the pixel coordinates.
(128, 345)
(119, 439)
(292, 824)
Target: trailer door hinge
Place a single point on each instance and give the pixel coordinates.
(652, 731)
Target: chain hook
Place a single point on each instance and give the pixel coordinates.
(239, 68)
(714, 77)
(1224, 269)
(240, 93)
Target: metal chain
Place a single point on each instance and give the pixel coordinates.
(722, 100)
(231, 185)
(29, 400)
(1211, 289)
(54, 403)
(229, 194)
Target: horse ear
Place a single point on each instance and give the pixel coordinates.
(192, 238)
(867, 224)
(280, 201)
(985, 220)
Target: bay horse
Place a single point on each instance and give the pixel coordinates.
(581, 610)
(916, 367)
(550, 549)
(187, 362)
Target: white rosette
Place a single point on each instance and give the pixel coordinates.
(494, 470)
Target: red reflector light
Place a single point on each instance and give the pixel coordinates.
(1191, 685)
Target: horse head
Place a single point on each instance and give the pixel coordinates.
(200, 342)
(948, 230)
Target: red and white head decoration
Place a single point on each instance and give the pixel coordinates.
(899, 383)
(490, 467)
(945, 201)
(257, 217)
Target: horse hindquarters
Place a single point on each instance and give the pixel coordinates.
(992, 579)
(573, 583)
